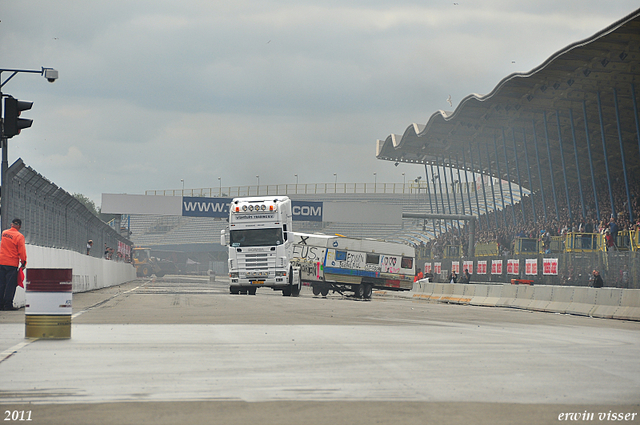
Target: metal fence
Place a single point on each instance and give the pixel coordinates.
(619, 269)
(51, 217)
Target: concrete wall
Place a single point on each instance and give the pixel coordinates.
(89, 273)
(608, 303)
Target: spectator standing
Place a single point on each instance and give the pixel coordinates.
(89, 245)
(613, 228)
(597, 279)
(12, 253)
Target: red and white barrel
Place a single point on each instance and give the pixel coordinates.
(48, 296)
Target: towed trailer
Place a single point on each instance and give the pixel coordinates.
(356, 265)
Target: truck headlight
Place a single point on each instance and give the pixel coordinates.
(278, 274)
(234, 275)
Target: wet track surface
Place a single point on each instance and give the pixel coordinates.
(153, 343)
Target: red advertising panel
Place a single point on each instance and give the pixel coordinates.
(482, 267)
(550, 266)
(437, 268)
(467, 265)
(455, 266)
(427, 268)
(513, 266)
(496, 266)
(531, 267)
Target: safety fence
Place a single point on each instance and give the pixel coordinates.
(618, 268)
(53, 218)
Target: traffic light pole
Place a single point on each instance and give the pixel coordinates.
(5, 192)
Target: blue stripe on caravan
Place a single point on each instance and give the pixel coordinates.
(350, 272)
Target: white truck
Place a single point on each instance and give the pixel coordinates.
(341, 264)
(260, 243)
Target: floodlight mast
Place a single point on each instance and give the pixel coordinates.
(5, 194)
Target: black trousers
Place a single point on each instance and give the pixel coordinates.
(8, 284)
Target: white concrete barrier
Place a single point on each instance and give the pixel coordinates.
(629, 305)
(607, 302)
(583, 301)
(480, 294)
(541, 298)
(560, 299)
(508, 295)
(89, 273)
(457, 295)
(599, 302)
(524, 296)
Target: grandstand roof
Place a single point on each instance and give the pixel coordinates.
(548, 103)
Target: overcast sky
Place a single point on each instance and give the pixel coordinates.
(154, 92)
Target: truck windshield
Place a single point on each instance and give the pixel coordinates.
(256, 237)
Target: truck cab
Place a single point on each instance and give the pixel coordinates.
(260, 245)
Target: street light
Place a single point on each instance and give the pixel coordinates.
(51, 75)
(220, 184)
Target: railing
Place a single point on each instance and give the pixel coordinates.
(452, 251)
(526, 246)
(487, 249)
(306, 189)
(584, 242)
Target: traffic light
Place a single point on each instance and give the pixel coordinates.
(12, 121)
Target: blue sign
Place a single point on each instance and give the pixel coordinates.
(219, 207)
(306, 210)
(205, 207)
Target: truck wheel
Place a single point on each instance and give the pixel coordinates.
(359, 291)
(324, 291)
(316, 290)
(233, 290)
(286, 292)
(146, 271)
(368, 291)
(295, 291)
(251, 291)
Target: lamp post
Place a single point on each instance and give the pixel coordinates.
(51, 75)
(335, 183)
(220, 184)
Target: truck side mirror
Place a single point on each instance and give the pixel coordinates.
(223, 237)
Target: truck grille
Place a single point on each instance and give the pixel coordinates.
(259, 261)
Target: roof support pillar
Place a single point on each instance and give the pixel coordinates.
(593, 177)
(535, 142)
(526, 157)
(493, 192)
(515, 155)
(553, 184)
(606, 157)
(506, 164)
(575, 151)
(564, 168)
(495, 146)
(624, 165)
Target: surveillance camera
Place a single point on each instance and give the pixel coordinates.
(50, 74)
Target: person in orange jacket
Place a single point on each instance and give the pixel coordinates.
(12, 254)
(418, 277)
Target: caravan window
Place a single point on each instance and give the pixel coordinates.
(407, 263)
(373, 258)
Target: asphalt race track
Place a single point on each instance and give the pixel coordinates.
(183, 350)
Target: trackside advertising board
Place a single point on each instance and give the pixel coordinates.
(219, 207)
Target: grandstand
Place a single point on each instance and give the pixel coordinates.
(199, 237)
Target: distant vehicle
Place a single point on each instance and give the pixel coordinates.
(341, 264)
(260, 244)
(147, 265)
